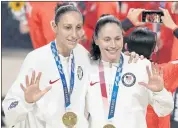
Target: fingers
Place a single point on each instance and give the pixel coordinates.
(161, 72)
(141, 24)
(33, 78)
(37, 81)
(142, 57)
(27, 81)
(155, 69)
(140, 10)
(45, 91)
(22, 87)
(132, 56)
(136, 58)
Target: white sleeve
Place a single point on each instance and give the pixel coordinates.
(14, 105)
(162, 102)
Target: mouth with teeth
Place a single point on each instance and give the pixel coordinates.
(72, 42)
(112, 51)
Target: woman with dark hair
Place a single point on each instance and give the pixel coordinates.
(52, 94)
(118, 92)
(55, 99)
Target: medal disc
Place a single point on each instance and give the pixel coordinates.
(109, 126)
(69, 119)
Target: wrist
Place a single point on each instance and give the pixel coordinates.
(173, 27)
(160, 92)
(131, 22)
(29, 106)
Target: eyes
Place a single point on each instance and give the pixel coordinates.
(108, 39)
(70, 27)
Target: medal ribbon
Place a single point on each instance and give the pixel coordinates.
(61, 73)
(115, 88)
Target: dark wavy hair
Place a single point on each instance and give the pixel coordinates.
(63, 8)
(103, 20)
(142, 41)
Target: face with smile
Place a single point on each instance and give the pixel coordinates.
(110, 42)
(68, 30)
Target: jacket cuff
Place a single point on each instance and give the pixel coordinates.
(127, 24)
(160, 93)
(29, 106)
(175, 32)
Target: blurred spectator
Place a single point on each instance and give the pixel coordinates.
(11, 36)
(39, 17)
(124, 7)
(36, 18)
(169, 43)
(92, 12)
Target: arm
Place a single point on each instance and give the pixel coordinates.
(169, 23)
(132, 19)
(35, 26)
(159, 98)
(46, 16)
(14, 105)
(126, 24)
(162, 102)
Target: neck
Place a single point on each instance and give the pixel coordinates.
(112, 61)
(62, 50)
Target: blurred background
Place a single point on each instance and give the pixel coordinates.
(26, 26)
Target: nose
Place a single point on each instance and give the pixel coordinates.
(113, 45)
(74, 35)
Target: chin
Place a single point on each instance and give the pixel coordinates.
(112, 57)
(71, 46)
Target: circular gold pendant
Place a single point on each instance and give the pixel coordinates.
(109, 126)
(69, 119)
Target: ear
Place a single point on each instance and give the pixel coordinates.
(126, 47)
(53, 26)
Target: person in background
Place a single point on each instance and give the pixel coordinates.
(143, 41)
(168, 42)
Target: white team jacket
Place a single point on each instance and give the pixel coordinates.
(132, 99)
(48, 111)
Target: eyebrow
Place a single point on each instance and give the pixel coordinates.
(71, 24)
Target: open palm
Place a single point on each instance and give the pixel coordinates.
(156, 82)
(32, 91)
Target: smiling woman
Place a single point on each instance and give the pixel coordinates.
(49, 91)
(107, 39)
(119, 92)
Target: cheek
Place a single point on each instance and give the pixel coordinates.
(120, 44)
(102, 44)
(63, 33)
(80, 33)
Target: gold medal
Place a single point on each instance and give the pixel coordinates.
(109, 126)
(69, 119)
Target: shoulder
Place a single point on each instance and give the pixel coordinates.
(40, 53)
(80, 49)
(81, 54)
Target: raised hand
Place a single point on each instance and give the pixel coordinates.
(156, 82)
(133, 56)
(32, 91)
(133, 16)
(167, 19)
